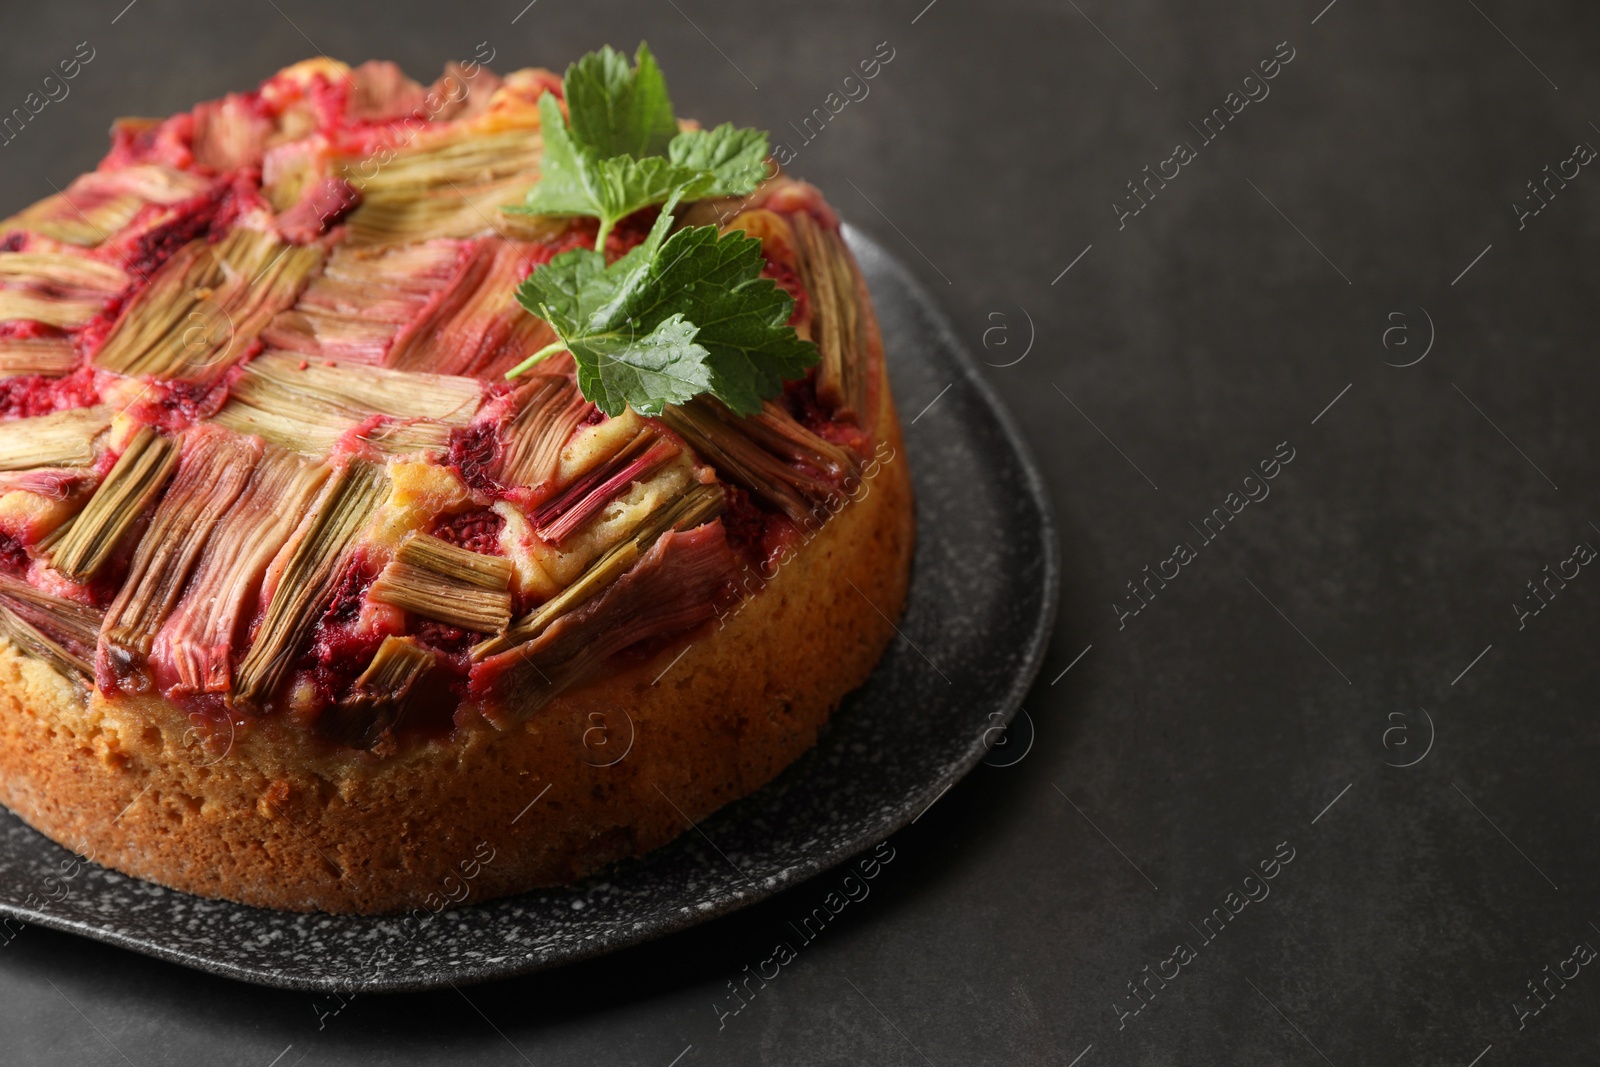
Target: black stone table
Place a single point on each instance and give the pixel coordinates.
(1296, 302)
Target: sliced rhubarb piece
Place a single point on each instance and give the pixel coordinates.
(59, 311)
(775, 430)
(362, 299)
(194, 651)
(308, 406)
(61, 632)
(461, 93)
(98, 204)
(213, 469)
(230, 133)
(49, 357)
(324, 205)
(549, 409)
(759, 454)
(696, 507)
(476, 326)
(52, 483)
(64, 273)
(838, 326)
(62, 439)
(673, 589)
(378, 702)
(205, 306)
(437, 580)
(448, 182)
(306, 570)
(562, 516)
(82, 546)
(381, 91)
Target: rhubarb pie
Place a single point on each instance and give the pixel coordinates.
(306, 604)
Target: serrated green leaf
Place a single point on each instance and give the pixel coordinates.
(736, 158)
(566, 291)
(574, 182)
(618, 148)
(622, 185)
(621, 369)
(752, 350)
(562, 188)
(618, 110)
(741, 316)
(628, 275)
(677, 316)
(577, 292)
(626, 356)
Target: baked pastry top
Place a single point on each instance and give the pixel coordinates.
(262, 469)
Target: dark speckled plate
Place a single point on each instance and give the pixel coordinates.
(983, 597)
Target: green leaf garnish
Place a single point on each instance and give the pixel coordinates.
(742, 317)
(617, 110)
(576, 182)
(736, 158)
(619, 148)
(677, 316)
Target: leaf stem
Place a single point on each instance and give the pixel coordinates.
(528, 364)
(602, 233)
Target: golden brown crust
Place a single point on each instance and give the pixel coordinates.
(280, 824)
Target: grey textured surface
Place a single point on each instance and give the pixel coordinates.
(1222, 320)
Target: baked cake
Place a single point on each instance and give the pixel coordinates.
(382, 527)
